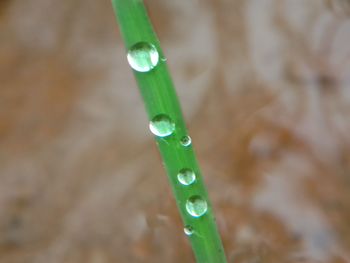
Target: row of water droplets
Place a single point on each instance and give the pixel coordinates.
(143, 57)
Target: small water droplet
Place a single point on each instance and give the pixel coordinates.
(143, 56)
(186, 176)
(196, 206)
(188, 230)
(162, 126)
(186, 141)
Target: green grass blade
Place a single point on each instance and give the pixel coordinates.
(160, 97)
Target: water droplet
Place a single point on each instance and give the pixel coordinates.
(186, 176)
(143, 56)
(162, 126)
(186, 141)
(196, 206)
(188, 230)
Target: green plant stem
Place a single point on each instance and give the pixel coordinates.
(160, 97)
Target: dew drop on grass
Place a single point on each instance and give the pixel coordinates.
(188, 230)
(143, 57)
(162, 126)
(196, 206)
(186, 141)
(186, 176)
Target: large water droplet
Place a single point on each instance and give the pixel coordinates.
(196, 206)
(188, 230)
(162, 126)
(143, 56)
(186, 176)
(186, 141)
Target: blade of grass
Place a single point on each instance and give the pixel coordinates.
(160, 99)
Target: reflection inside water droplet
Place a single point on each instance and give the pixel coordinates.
(188, 230)
(143, 56)
(196, 206)
(162, 126)
(186, 141)
(186, 176)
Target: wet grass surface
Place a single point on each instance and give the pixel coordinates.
(77, 173)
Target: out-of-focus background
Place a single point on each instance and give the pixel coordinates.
(265, 88)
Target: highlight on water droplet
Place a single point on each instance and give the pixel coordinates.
(186, 141)
(162, 126)
(143, 57)
(188, 230)
(186, 176)
(196, 206)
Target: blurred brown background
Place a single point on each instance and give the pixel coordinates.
(265, 88)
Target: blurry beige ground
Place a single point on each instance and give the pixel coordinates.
(265, 87)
